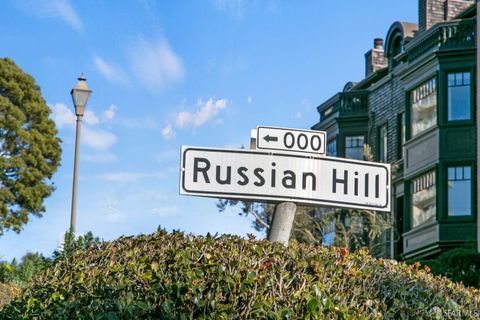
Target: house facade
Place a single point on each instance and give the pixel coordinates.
(415, 108)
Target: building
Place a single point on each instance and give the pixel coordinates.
(415, 108)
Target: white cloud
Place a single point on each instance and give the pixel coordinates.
(64, 10)
(97, 138)
(90, 117)
(164, 212)
(91, 135)
(62, 115)
(168, 132)
(60, 9)
(110, 113)
(206, 111)
(124, 176)
(110, 72)
(155, 64)
(113, 214)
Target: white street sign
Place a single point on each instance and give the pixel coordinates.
(285, 139)
(270, 176)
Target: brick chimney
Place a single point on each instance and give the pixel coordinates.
(431, 12)
(375, 58)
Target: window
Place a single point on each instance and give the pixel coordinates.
(382, 140)
(459, 191)
(328, 230)
(423, 199)
(354, 147)
(332, 148)
(459, 97)
(424, 107)
(401, 134)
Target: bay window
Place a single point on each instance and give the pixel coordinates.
(423, 101)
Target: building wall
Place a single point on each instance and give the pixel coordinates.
(386, 101)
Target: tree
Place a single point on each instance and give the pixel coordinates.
(22, 273)
(29, 148)
(357, 228)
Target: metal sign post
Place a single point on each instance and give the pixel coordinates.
(282, 222)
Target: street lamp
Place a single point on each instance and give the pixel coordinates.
(80, 94)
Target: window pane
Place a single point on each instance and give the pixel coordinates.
(458, 173)
(354, 150)
(424, 107)
(459, 192)
(459, 103)
(348, 142)
(423, 199)
(466, 78)
(383, 143)
(332, 148)
(451, 79)
(451, 173)
(401, 130)
(458, 79)
(459, 96)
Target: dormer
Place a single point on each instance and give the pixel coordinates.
(399, 34)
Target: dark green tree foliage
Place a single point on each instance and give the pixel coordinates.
(178, 276)
(29, 148)
(72, 245)
(20, 274)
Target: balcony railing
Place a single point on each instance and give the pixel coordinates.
(455, 34)
(348, 104)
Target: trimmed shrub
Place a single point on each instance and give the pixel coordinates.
(177, 276)
(459, 265)
(8, 292)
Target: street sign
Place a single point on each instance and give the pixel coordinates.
(275, 176)
(285, 139)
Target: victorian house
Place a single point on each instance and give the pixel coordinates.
(415, 108)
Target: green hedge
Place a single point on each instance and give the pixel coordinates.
(177, 276)
(459, 265)
(8, 291)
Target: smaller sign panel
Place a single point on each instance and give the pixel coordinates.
(309, 141)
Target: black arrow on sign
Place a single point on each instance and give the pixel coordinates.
(269, 138)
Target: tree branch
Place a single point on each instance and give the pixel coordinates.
(257, 218)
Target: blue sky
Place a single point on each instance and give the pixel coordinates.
(172, 73)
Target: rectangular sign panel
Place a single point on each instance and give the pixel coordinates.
(273, 138)
(266, 176)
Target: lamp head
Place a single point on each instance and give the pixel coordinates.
(80, 94)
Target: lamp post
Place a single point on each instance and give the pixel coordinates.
(80, 94)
